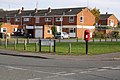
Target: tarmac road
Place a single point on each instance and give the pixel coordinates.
(26, 66)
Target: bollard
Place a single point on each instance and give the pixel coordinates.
(24, 44)
(36, 46)
(100, 39)
(5, 43)
(69, 50)
(28, 40)
(93, 40)
(111, 39)
(14, 44)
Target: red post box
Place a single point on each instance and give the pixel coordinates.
(87, 38)
(87, 35)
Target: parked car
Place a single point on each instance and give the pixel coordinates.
(62, 35)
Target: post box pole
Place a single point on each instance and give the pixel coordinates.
(86, 47)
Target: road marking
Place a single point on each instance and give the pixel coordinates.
(67, 74)
(101, 69)
(108, 67)
(34, 79)
(16, 68)
(92, 69)
(85, 71)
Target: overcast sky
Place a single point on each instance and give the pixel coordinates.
(110, 6)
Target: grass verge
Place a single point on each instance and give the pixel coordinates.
(77, 48)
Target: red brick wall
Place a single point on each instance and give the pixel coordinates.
(10, 27)
(46, 28)
(113, 18)
(89, 18)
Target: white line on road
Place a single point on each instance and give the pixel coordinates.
(16, 68)
(101, 69)
(35, 79)
(67, 74)
(85, 71)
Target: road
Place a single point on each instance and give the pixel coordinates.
(25, 68)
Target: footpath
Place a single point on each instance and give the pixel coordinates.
(109, 56)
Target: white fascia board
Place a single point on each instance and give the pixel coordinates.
(50, 16)
(29, 27)
(69, 26)
(88, 27)
(77, 26)
(38, 27)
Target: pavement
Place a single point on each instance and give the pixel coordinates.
(109, 56)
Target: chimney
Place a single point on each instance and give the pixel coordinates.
(22, 8)
(106, 13)
(36, 10)
(69, 10)
(19, 11)
(49, 10)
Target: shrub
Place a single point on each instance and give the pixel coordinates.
(115, 34)
(99, 34)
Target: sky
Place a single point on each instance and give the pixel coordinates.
(110, 6)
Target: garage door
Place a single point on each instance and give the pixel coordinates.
(38, 33)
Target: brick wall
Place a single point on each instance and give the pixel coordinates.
(113, 18)
(89, 18)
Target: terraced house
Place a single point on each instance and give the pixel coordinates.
(38, 23)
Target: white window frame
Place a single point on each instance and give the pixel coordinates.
(17, 19)
(48, 19)
(2, 30)
(37, 20)
(72, 30)
(111, 22)
(58, 19)
(15, 30)
(71, 20)
(81, 19)
(50, 32)
(26, 19)
(8, 19)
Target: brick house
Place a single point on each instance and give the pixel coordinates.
(108, 20)
(71, 20)
(8, 29)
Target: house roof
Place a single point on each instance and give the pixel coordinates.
(3, 13)
(105, 16)
(44, 12)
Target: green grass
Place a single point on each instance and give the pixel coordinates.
(77, 48)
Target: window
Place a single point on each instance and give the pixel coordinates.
(59, 19)
(111, 22)
(81, 19)
(37, 19)
(49, 32)
(8, 19)
(26, 19)
(72, 30)
(48, 19)
(3, 30)
(71, 19)
(1, 19)
(17, 19)
(15, 30)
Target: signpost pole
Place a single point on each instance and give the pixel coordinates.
(39, 45)
(54, 46)
(86, 47)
